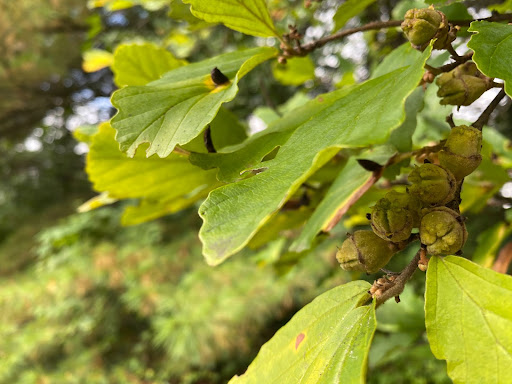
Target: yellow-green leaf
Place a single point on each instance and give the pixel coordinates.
(469, 320)
(163, 185)
(247, 16)
(326, 342)
(138, 64)
(176, 108)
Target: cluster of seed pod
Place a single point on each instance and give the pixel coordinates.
(430, 205)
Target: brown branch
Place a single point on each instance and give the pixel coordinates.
(398, 284)
(486, 114)
(303, 50)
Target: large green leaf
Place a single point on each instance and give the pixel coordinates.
(365, 116)
(138, 64)
(164, 185)
(348, 10)
(350, 181)
(246, 16)
(399, 57)
(235, 161)
(176, 108)
(469, 320)
(325, 342)
(492, 44)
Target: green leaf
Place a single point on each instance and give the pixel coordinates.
(401, 138)
(348, 10)
(247, 16)
(138, 64)
(492, 44)
(296, 71)
(351, 181)
(325, 342)
(232, 214)
(237, 161)
(176, 108)
(399, 57)
(469, 320)
(164, 185)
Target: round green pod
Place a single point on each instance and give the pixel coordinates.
(394, 216)
(461, 152)
(432, 184)
(442, 231)
(422, 25)
(364, 251)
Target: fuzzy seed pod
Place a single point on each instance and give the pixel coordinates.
(462, 86)
(394, 216)
(422, 25)
(432, 184)
(366, 252)
(442, 231)
(461, 153)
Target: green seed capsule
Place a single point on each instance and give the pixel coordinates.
(422, 25)
(462, 86)
(461, 153)
(366, 252)
(432, 184)
(394, 216)
(442, 231)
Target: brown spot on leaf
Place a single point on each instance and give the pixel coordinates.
(299, 339)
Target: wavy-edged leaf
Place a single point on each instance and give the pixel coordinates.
(164, 185)
(348, 10)
(138, 64)
(365, 116)
(326, 342)
(469, 320)
(176, 108)
(399, 57)
(247, 16)
(492, 45)
(233, 162)
(350, 182)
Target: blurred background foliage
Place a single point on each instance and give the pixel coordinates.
(85, 300)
